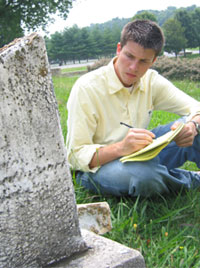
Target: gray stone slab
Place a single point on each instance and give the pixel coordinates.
(103, 253)
(38, 214)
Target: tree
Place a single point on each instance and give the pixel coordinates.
(145, 15)
(174, 35)
(77, 46)
(109, 47)
(166, 14)
(196, 26)
(98, 44)
(55, 47)
(86, 43)
(18, 15)
(185, 19)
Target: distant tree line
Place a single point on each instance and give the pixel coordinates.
(181, 28)
(182, 31)
(75, 44)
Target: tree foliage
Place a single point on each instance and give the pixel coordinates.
(163, 15)
(145, 15)
(196, 27)
(185, 19)
(74, 44)
(182, 30)
(174, 34)
(18, 15)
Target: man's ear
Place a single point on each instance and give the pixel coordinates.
(154, 59)
(118, 48)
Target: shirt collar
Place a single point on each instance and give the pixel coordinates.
(114, 83)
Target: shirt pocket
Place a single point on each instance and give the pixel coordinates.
(147, 117)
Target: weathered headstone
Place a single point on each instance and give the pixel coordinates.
(39, 224)
(38, 214)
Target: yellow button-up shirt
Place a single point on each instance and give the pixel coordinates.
(99, 102)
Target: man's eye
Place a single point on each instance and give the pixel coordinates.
(145, 61)
(129, 56)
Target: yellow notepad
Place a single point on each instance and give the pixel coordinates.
(153, 149)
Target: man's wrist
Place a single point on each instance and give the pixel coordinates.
(197, 125)
(118, 149)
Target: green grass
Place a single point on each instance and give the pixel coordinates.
(190, 56)
(165, 229)
(74, 69)
(62, 87)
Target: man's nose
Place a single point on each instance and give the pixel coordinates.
(134, 65)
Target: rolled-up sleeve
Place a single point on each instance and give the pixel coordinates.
(82, 123)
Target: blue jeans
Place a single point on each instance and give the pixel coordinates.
(157, 176)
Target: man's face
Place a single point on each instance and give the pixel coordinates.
(132, 63)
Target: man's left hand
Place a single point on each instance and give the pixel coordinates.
(186, 137)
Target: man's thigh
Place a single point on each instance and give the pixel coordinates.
(130, 178)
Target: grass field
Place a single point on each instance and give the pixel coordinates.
(165, 229)
(74, 69)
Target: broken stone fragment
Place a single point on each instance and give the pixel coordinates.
(95, 217)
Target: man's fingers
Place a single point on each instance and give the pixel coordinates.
(141, 137)
(175, 125)
(142, 131)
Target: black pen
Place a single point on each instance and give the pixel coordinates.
(126, 125)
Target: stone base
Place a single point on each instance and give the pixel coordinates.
(103, 253)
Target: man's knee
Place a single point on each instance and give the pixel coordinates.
(131, 178)
(146, 180)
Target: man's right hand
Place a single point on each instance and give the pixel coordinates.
(135, 140)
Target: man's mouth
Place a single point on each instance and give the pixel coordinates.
(131, 75)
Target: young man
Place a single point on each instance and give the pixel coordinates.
(127, 90)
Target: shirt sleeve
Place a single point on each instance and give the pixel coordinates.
(169, 98)
(82, 123)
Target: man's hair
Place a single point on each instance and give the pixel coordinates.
(146, 33)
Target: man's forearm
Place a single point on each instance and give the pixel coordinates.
(104, 155)
(135, 140)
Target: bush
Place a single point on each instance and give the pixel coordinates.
(179, 69)
(170, 68)
(97, 64)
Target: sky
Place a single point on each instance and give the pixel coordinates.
(86, 12)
